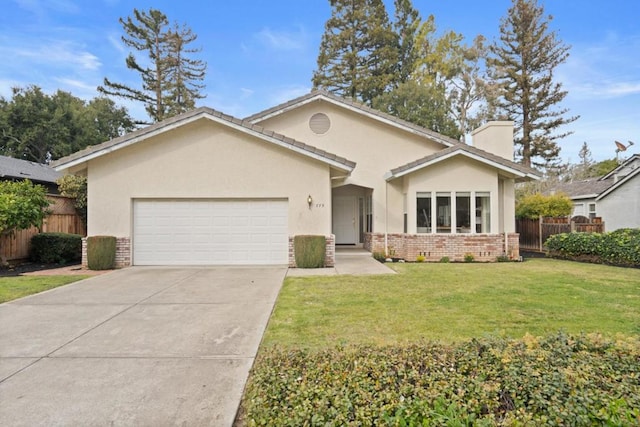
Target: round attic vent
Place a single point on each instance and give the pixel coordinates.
(319, 123)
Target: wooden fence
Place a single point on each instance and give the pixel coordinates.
(63, 219)
(535, 232)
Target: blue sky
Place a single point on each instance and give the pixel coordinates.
(261, 52)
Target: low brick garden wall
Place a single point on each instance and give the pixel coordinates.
(483, 247)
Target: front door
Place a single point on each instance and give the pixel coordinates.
(345, 220)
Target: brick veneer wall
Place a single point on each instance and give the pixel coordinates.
(123, 252)
(484, 247)
(329, 254)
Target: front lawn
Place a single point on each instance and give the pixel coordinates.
(455, 302)
(453, 344)
(17, 287)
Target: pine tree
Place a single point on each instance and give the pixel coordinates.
(183, 73)
(522, 67)
(170, 83)
(406, 24)
(358, 52)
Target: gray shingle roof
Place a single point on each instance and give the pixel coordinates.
(590, 187)
(187, 117)
(527, 172)
(23, 169)
(319, 94)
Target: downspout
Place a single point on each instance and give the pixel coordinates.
(386, 218)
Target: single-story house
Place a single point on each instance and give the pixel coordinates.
(207, 188)
(18, 170)
(615, 197)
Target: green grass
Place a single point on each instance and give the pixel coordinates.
(456, 302)
(17, 287)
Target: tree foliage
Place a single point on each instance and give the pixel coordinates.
(39, 127)
(75, 186)
(22, 205)
(521, 67)
(536, 205)
(435, 80)
(358, 52)
(171, 82)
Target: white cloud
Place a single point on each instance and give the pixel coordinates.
(282, 40)
(284, 94)
(53, 52)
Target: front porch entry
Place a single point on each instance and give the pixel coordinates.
(351, 214)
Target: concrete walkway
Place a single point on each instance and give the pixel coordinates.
(354, 261)
(136, 347)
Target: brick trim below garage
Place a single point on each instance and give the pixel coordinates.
(123, 252)
(484, 247)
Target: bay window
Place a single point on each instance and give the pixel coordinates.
(453, 212)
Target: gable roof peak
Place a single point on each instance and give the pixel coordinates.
(355, 106)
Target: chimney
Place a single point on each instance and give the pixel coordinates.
(496, 138)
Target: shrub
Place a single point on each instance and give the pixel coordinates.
(421, 258)
(469, 257)
(503, 258)
(309, 251)
(101, 252)
(58, 248)
(619, 247)
(444, 259)
(535, 205)
(379, 256)
(554, 380)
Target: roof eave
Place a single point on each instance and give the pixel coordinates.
(346, 167)
(518, 174)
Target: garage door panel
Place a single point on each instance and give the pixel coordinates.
(210, 232)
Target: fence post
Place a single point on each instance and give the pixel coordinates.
(540, 233)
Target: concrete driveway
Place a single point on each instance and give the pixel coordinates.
(140, 346)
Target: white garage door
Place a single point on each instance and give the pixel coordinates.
(210, 232)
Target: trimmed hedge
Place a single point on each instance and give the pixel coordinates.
(58, 248)
(557, 380)
(309, 251)
(101, 252)
(620, 247)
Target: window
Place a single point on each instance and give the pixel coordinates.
(592, 210)
(469, 212)
(483, 212)
(463, 212)
(423, 214)
(443, 209)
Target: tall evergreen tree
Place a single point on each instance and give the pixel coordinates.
(522, 67)
(170, 83)
(358, 52)
(406, 25)
(184, 74)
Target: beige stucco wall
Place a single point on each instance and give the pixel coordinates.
(206, 160)
(454, 174)
(376, 148)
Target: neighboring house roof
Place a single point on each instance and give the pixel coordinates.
(215, 116)
(522, 172)
(618, 184)
(13, 169)
(635, 157)
(584, 189)
(318, 95)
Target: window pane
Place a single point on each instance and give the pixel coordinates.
(463, 212)
(443, 206)
(483, 213)
(423, 213)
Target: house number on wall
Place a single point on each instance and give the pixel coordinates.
(319, 205)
